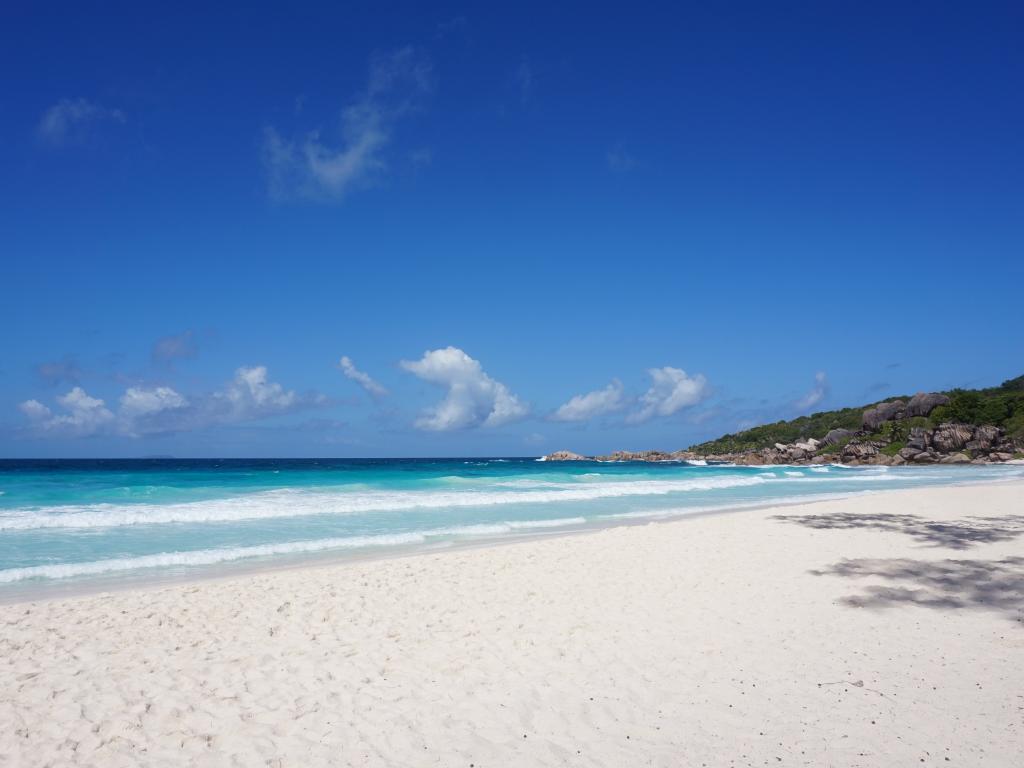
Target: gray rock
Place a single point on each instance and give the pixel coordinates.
(920, 438)
(923, 403)
(859, 451)
(835, 435)
(986, 436)
(1000, 456)
(955, 458)
(564, 456)
(909, 452)
(925, 458)
(951, 437)
(875, 417)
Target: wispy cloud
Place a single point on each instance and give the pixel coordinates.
(672, 390)
(317, 167)
(54, 372)
(179, 346)
(596, 403)
(818, 393)
(619, 160)
(71, 119)
(473, 399)
(361, 378)
(524, 79)
(147, 410)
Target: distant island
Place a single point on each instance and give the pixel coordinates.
(959, 426)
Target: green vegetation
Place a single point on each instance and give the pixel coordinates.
(893, 448)
(1002, 406)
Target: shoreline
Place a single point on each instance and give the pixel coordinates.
(880, 629)
(148, 579)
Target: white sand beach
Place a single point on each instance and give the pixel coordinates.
(881, 630)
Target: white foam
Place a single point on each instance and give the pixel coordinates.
(290, 502)
(203, 556)
(230, 554)
(557, 523)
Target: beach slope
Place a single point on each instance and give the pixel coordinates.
(884, 629)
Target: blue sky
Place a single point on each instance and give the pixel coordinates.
(527, 228)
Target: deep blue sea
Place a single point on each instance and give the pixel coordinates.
(79, 520)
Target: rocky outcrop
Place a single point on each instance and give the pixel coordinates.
(648, 456)
(923, 403)
(874, 417)
(955, 458)
(836, 435)
(919, 439)
(948, 438)
(946, 444)
(564, 456)
(624, 456)
(983, 439)
(858, 452)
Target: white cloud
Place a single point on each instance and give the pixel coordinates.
(152, 410)
(249, 395)
(137, 401)
(313, 167)
(474, 399)
(596, 403)
(361, 378)
(69, 119)
(817, 393)
(671, 390)
(84, 415)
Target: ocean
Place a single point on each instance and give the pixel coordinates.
(107, 521)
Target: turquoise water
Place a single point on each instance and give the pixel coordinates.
(76, 520)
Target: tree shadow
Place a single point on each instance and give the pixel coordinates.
(959, 534)
(994, 585)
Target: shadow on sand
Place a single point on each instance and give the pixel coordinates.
(994, 585)
(959, 534)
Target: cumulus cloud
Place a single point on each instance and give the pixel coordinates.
(818, 393)
(474, 399)
(179, 346)
(596, 403)
(319, 168)
(83, 415)
(361, 378)
(154, 410)
(671, 390)
(70, 119)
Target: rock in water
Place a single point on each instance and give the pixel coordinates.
(923, 403)
(564, 456)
